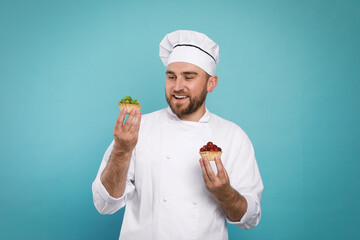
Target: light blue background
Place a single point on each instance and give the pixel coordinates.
(288, 75)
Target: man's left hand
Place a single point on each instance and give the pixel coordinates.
(233, 204)
(218, 183)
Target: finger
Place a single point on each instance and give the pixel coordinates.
(120, 119)
(226, 174)
(209, 170)
(136, 123)
(220, 168)
(130, 119)
(205, 175)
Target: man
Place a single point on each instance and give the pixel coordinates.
(153, 165)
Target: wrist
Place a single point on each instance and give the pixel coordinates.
(227, 195)
(119, 151)
(233, 204)
(120, 156)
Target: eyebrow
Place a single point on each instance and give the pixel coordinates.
(190, 73)
(184, 73)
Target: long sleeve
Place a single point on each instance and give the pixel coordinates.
(103, 202)
(247, 181)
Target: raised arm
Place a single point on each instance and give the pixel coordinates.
(125, 138)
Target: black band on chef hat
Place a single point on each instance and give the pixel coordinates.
(190, 45)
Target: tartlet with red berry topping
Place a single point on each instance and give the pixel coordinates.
(210, 151)
(129, 104)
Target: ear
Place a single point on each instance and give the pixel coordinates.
(212, 82)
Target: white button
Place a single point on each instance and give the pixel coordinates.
(168, 157)
(164, 200)
(194, 202)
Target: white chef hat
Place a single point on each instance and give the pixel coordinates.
(191, 47)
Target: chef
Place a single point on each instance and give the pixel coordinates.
(153, 166)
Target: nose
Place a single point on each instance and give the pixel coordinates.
(179, 84)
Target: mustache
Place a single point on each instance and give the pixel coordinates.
(181, 92)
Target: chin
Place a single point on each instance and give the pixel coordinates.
(178, 110)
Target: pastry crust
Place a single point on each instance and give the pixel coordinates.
(129, 107)
(210, 155)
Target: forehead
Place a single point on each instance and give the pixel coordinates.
(181, 67)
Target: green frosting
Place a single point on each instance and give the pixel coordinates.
(129, 100)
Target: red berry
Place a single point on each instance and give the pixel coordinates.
(210, 147)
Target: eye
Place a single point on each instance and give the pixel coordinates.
(170, 76)
(189, 76)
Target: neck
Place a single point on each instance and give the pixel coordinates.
(195, 116)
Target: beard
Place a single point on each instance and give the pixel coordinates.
(194, 103)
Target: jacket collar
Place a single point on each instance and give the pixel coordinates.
(204, 119)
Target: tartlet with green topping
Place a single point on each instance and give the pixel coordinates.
(129, 104)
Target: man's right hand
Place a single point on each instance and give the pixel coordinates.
(126, 134)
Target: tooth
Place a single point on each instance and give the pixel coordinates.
(180, 96)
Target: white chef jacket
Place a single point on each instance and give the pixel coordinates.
(165, 193)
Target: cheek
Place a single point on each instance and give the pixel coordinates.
(197, 89)
(167, 86)
(169, 83)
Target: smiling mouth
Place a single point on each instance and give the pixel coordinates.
(180, 97)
